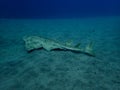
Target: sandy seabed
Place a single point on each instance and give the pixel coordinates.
(60, 70)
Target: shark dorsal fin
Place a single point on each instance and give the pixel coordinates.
(77, 45)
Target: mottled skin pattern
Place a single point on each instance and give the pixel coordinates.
(35, 42)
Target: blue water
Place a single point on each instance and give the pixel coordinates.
(58, 8)
(65, 21)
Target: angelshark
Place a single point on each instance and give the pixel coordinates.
(36, 42)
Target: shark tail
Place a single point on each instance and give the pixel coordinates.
(89, 49)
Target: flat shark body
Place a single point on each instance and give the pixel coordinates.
(36, 42)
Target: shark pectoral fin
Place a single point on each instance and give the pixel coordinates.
(89, 49)
(32, 43)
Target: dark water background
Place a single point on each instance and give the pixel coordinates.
(58, 8)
